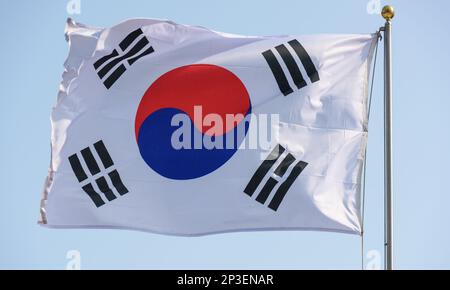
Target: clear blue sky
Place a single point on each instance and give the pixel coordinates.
(32, 53)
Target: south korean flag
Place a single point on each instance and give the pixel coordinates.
(181, 130)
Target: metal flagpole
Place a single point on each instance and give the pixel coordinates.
(388, 13)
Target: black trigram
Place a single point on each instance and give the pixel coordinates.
(94, 170)
(272, 182)
(292, 66)
(112, 66)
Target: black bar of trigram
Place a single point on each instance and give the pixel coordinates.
(117, 182)
(284, 165)
(103, 154)
(266, 190)
(104, 187)
(284, 187)
(136, 58)
(77, 168)
(104, 59)
(278, 73)
(133, 51)
(292, 66)
(89, 189)
(263, 169)
(124, 44)
(90, 161)
(305, 59)
(114, 76)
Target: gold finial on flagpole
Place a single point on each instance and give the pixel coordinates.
(388, 12)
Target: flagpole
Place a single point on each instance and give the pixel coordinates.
(388, 13)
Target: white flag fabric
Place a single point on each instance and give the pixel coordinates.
(181, 130)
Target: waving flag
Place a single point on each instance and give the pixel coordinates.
(181, 130)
